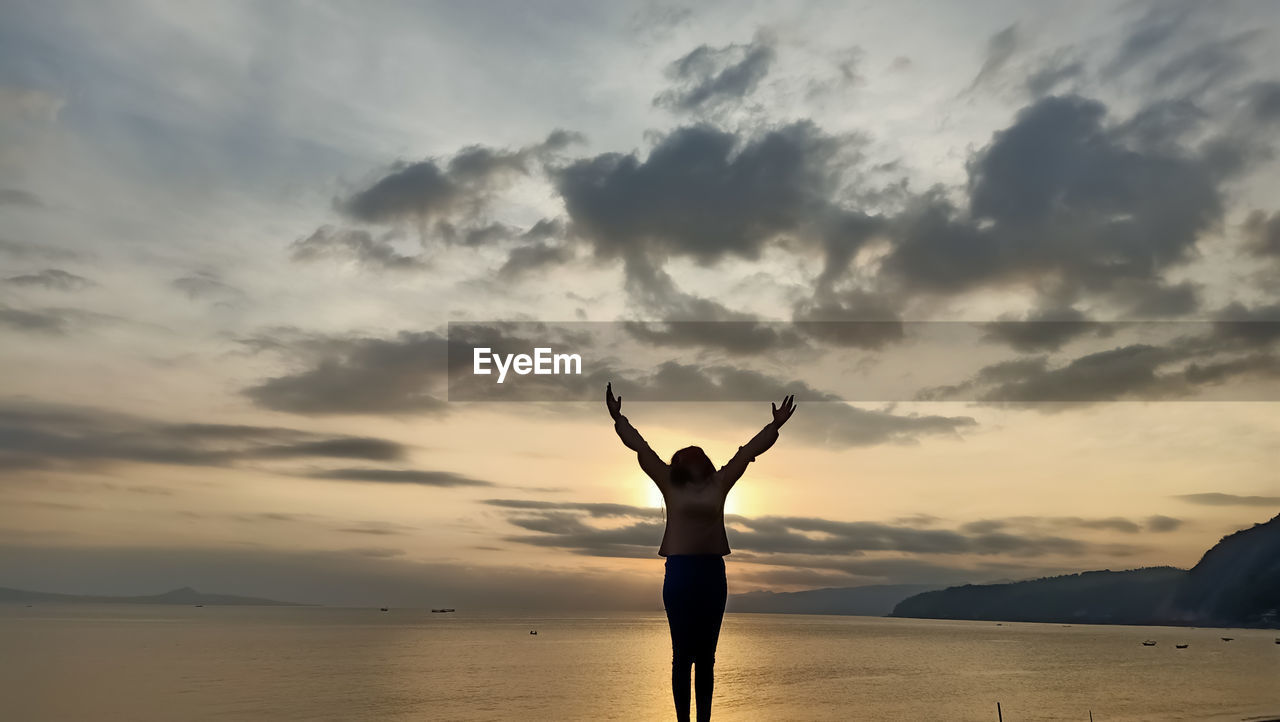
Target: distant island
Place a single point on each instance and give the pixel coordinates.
(876, 600)
(184, 595)
(1235, 584)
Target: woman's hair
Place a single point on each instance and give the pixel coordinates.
(690, 464)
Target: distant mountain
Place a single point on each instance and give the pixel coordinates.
(185, 595)
(868, 601)
(1236, 583)
(1105, 597)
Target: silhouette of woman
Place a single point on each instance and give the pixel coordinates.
(694, 590)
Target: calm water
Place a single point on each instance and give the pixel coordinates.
(177, 663)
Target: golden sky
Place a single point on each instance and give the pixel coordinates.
(233, 238)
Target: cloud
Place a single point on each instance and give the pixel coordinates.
(422, 477)
(405, 374)
(207, 286)
(1045, 79)
(852, 319)
(1046, 329)
(1000, 47)
(19, 197)
(707, 78)
(708, 194)
(872, 549)
(1161, 523)
(47, 436)
(1263, 234)
(44, 321)
(1059, 194)
(740, 336)
(53, 279)
(353, 245)
(1235, 348)
(531, 258)
(830, 423)
(1156, 523)
(18, 249)
(1215, 498)
(455, 191)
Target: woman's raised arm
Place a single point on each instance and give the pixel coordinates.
(649, 461)
(760, 443)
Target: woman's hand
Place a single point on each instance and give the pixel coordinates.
(780, 415)
(614, 404)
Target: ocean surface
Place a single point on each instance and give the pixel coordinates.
(138, 663)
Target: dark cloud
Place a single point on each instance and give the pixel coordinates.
(18, 249)
(1154, 299)
(1263, 234)
(1046, 329)
(50, 435)
(422, 477)
(1214, 498)
(1234, 348)
(1149, 35)
(42, 321)
(1050, 75)
(1264, 101)
(1000, 48)
(707, 194)
(1039, 524)
(206, 285)
(455, 191)
(542, 246)
(533, 257)
(832, 423)
(740, 336)
(592, 509)
(405, 374)
(348, 244)
(1059, 194)
(850, 318)
(51, 278)
(19, 197)
(566, 526)
(708, 77)
(1161, 523)
(1207, 64)
(1250, 326)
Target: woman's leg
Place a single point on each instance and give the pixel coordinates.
(713, 592)
(677, 598)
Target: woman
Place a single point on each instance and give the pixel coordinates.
(694, 543)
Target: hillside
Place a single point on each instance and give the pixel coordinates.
(1236, 583)
(184, 595)
(1101, 597)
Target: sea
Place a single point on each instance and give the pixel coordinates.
(134, 663)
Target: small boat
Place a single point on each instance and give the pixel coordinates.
(199, 605)
(1227, 639)
(1149, 643)
(1277, 638)
(383, 609)
(533, 631)
(449, 609)
(1180, 646)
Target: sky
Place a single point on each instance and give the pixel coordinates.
(233, 237)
